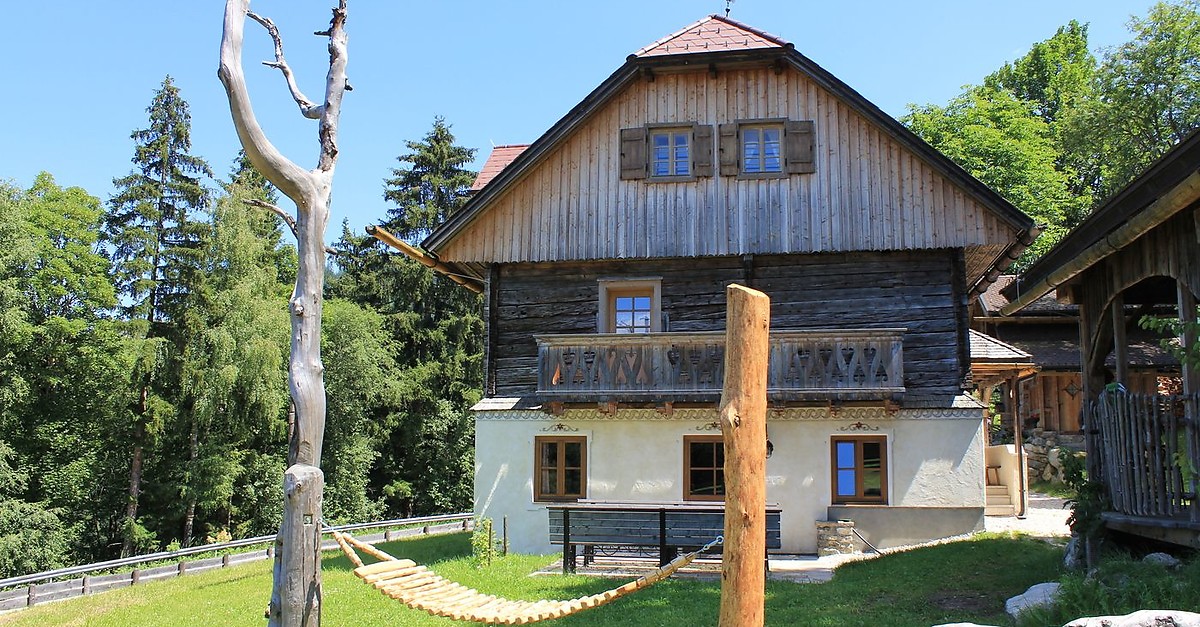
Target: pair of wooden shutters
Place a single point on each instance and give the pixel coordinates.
(798, 149)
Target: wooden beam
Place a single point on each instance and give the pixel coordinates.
(743, 415)
(1191, 384)
(420, 257)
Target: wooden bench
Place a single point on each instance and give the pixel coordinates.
(669, 527)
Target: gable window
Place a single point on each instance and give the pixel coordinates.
(767, 148)
(703, 468)
(560, 468)
(666, 152)
(859, 469)
(630, 305)
(761, 149)
(670, 153)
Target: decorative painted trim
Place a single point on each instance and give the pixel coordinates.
(857, 426)
(710, 426)
(702, 416)
(560, 427)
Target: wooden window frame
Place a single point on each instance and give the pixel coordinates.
(688, 440)
(762, 125)
(671, 132)
(561, 469)
(635, 150)
(610, 289)
(858, 497)
(797, 147)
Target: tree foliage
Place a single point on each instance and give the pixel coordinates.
(432, 187)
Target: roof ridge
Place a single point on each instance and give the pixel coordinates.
(757, 31)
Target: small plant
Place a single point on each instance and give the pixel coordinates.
(1089, 502)
(483, 542)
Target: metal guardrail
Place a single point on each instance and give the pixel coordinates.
(27, 590)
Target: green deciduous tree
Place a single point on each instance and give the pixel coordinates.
(1146, 99)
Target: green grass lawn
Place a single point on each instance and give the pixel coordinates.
(962, 581)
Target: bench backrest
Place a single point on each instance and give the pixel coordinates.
(640, 527)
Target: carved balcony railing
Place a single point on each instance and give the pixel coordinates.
(809, 365)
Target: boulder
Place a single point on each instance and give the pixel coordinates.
(1162, 559)
(1038, 595)
(1141, 618)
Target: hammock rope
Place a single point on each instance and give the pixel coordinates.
(420, 588)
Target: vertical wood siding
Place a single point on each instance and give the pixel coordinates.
(868, 192)
(842, 290)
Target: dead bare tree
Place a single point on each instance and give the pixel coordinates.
(296, 593)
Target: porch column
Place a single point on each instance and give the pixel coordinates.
(1191, 385)
(1014, 395)
(1120, 343)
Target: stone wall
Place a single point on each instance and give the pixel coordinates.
(1042, 453)
(835, 537)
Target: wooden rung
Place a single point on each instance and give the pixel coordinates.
(382, 567)
(387, 579)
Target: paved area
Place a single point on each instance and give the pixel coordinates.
(1046, 518)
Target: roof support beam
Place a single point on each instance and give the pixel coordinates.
(420, 257)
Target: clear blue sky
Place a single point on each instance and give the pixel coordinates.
(80, 73)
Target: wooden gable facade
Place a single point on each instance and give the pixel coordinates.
(864, 227)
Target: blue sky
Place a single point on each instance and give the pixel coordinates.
(82, 72)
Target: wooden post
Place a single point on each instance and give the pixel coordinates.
(743, 414)
(1191, 385)
(300, 550)
(1120, 343)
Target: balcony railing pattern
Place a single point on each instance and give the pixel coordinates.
(804, 365)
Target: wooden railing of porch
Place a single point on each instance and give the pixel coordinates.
(1149, 450)
(858, 364)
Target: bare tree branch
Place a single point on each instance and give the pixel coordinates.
(287, 219)
(335, 88)
(307, 108)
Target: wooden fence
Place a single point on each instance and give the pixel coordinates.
(1149, 449)
(64, 583)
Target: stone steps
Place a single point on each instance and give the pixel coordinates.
(998, 503)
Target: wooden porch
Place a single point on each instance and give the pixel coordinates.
(1149, 456)
(809, 365)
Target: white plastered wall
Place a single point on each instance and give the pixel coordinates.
(935, 459)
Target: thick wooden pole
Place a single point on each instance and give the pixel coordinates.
(296, 600)
(743, 414)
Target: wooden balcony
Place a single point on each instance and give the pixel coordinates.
(809, 365)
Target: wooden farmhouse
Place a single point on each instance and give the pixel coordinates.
(1137, 255)
(716, 155)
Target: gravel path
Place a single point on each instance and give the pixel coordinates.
(1047, 518)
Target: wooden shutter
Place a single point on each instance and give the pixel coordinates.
(702, 144)
(729, 149)
(799, 146)
(633, 153)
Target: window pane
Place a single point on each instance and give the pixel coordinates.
(872, 454)
(719, 488)
(549, 482)
(846, 483)
(872, 483)
(641, 303)
(704, 483)
(549, 454)
(845, 455)
(771, 135)
(625, 303)
(573, 454)
(661, 140)
(574, 482)
(624, 322)
(751, 136)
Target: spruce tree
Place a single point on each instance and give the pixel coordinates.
(433, 187)
(157, 244)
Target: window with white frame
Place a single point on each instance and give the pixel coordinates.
(630, 305)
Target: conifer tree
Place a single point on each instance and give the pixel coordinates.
(433, 187)
(157, 247)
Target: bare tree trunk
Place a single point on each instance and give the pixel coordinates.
(743, 414)
(296, 595)
(135, 489)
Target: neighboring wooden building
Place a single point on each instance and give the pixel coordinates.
(1052, 399)
(1141, 248)
(719, 154)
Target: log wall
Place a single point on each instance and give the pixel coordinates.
(846, 290)
(867, 191)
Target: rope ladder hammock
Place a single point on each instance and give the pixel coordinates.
(420, 588)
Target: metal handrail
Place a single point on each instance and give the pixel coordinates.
(210, 548)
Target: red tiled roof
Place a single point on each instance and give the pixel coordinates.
(712, 34)
(499, 159)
